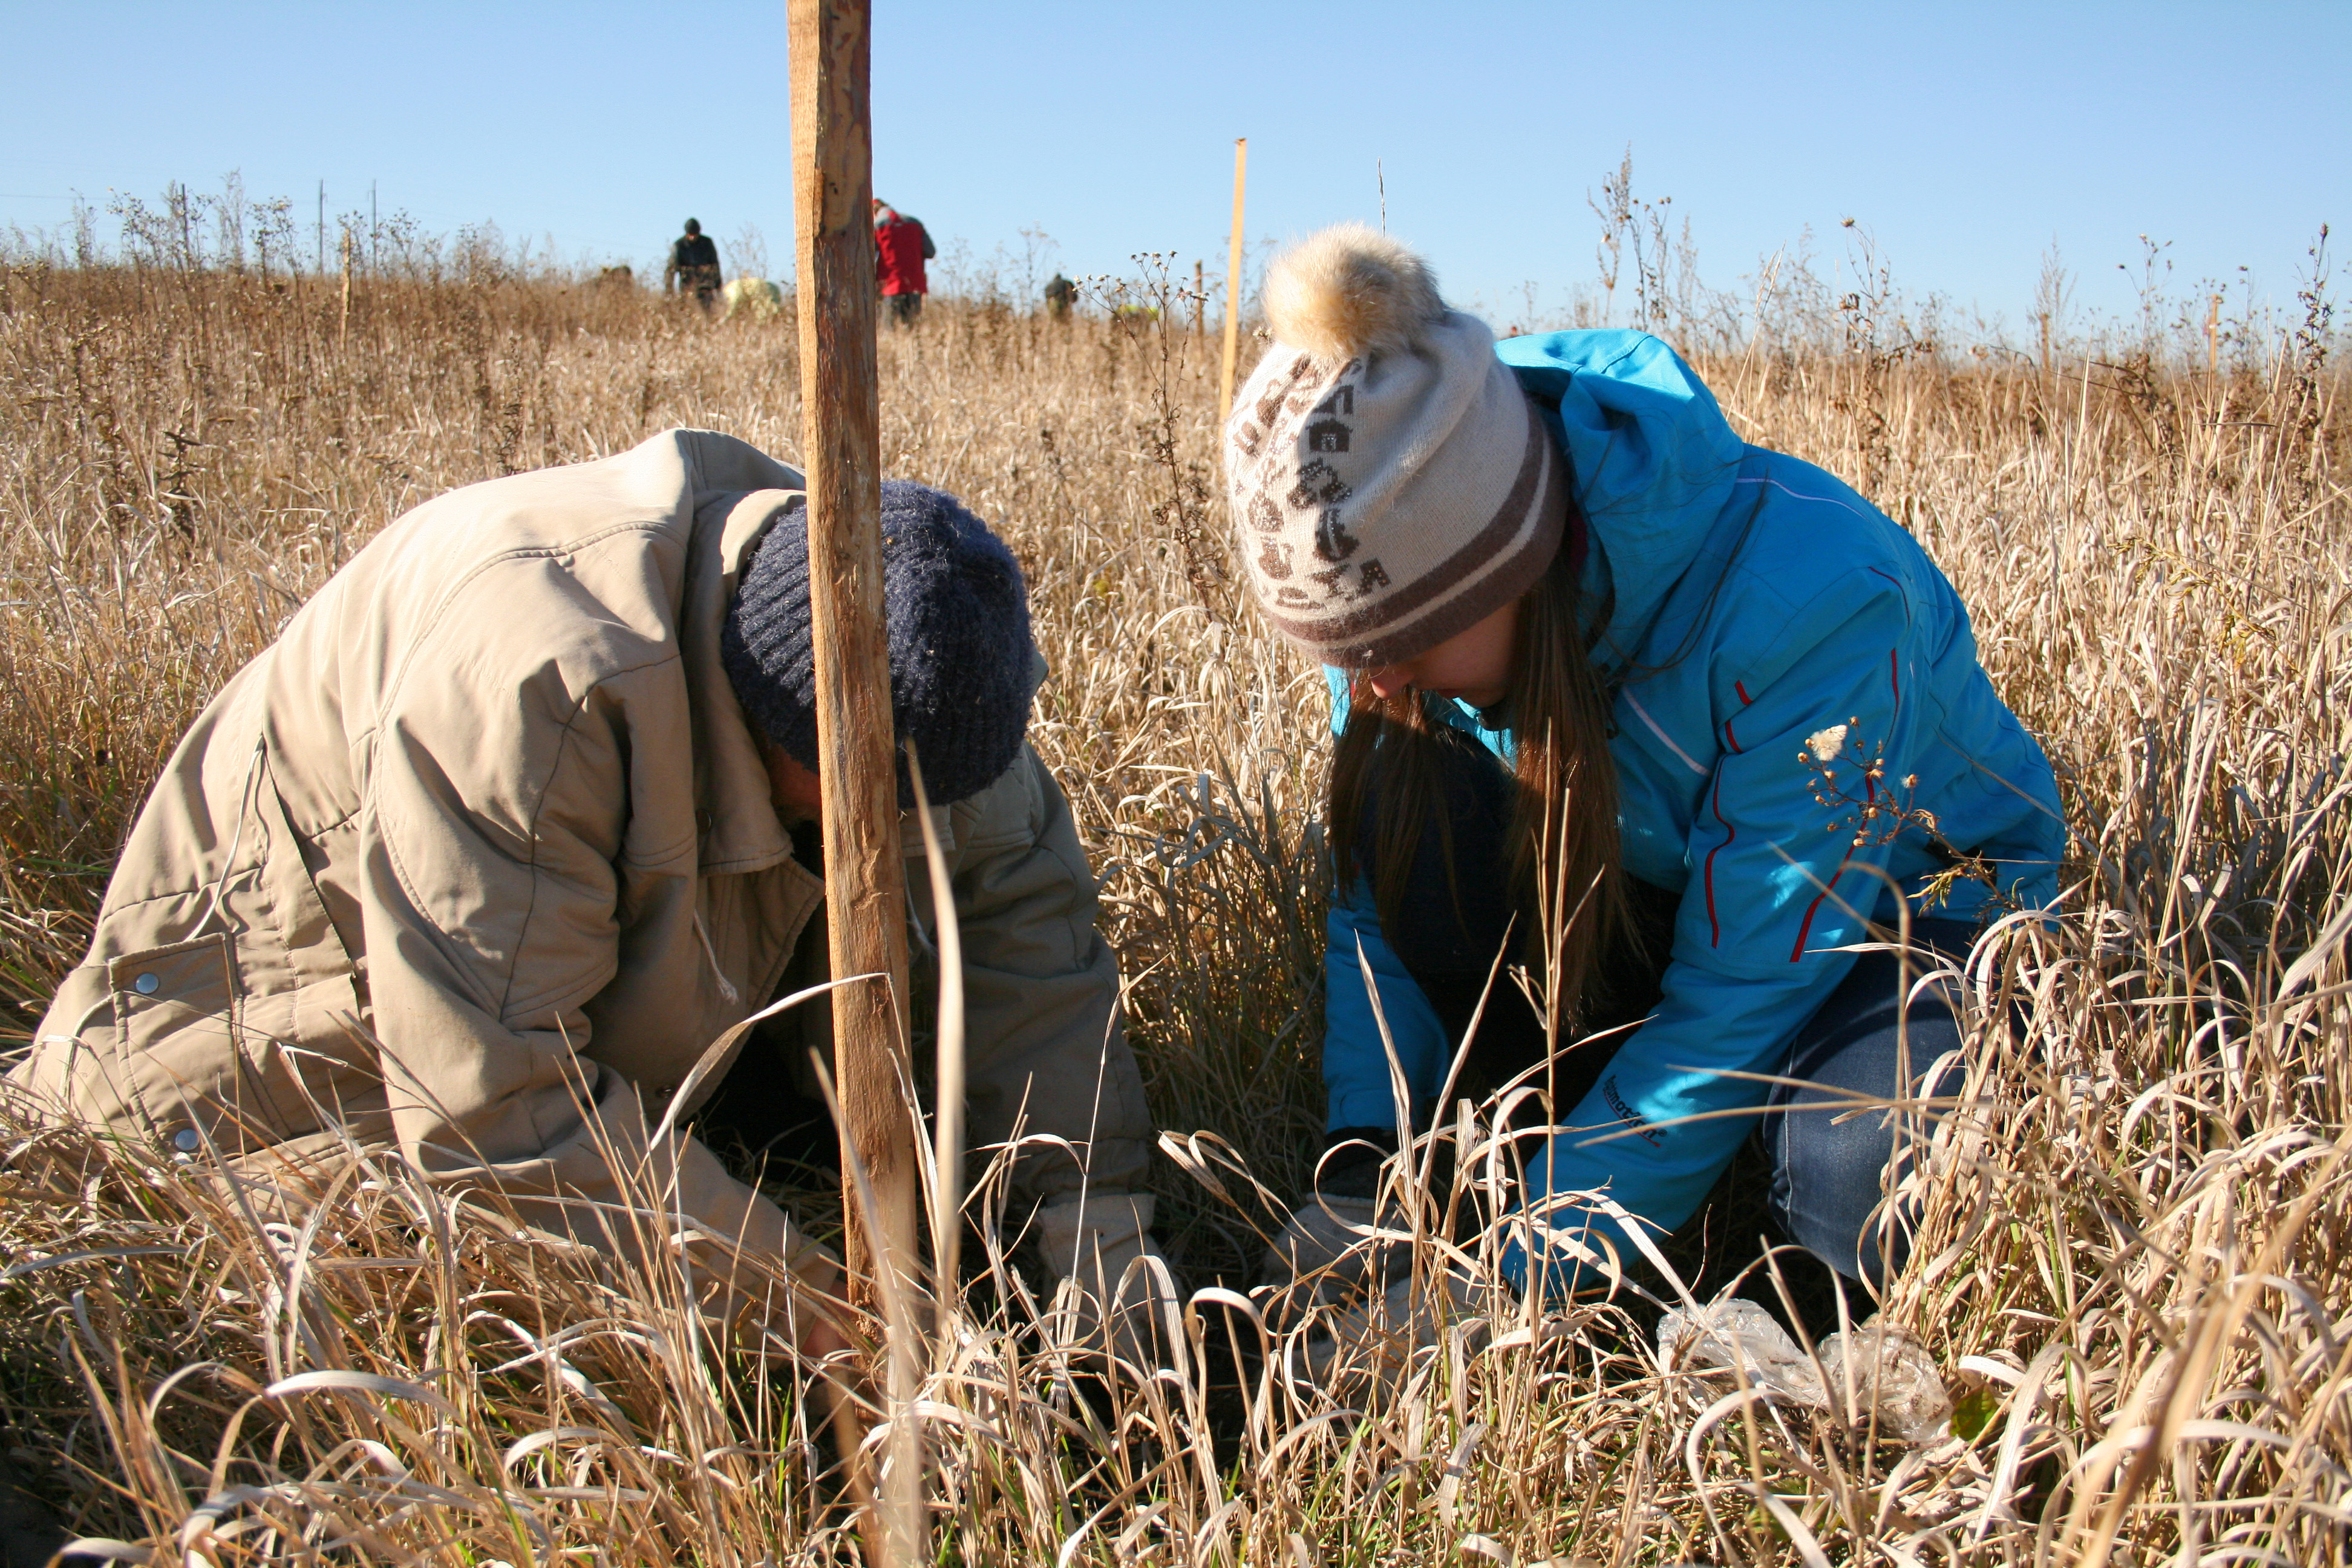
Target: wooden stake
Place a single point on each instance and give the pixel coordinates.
(864, 869)
(1233, 283)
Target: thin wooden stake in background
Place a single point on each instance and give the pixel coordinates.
(841, 422)
(1233, 283)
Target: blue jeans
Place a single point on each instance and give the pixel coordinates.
(1831, 1171)
(1828, 1168)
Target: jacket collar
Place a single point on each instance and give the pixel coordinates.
(740, 830)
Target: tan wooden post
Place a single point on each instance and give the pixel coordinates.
(864, 870)
(1233, 283)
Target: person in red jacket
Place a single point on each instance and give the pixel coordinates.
(901, 246)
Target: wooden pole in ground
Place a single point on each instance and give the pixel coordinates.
(1233, 283)
(865, 872)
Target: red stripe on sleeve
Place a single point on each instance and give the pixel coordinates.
(1806, 929)
(1714, 928)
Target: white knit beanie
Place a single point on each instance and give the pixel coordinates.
(1391, 484)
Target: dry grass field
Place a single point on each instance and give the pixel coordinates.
(2136, 1273)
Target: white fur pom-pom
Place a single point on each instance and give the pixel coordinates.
(1346, 290)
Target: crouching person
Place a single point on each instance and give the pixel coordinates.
(1597, 664)
(517, 818)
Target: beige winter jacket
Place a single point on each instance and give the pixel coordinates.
(484, 837)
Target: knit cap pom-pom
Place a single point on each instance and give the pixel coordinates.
(1348, 290)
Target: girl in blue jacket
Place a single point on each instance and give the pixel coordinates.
(1666, 718)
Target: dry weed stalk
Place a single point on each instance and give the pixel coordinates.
(2133, 1267)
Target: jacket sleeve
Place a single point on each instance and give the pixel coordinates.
(1792, 825)
(489, 902)
(1044, 1042)
(1355, 1061)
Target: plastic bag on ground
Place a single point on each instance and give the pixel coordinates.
(1738, 1333)
(1873, 1368)
(1892, 1375)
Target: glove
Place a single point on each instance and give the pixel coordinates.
(1326, 1247)
(1562, 1276)
(1556, 1231)
(1114, 1291)
(1376, 1337)
(1326, 1243)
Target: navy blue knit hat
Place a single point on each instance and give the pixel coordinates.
(960, 650)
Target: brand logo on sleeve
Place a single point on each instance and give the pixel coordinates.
(1628, 1115)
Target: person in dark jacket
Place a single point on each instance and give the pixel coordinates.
(693, 266)
(1060, 295)
(1548, 572)
(901, 246)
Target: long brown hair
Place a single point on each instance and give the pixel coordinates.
(1567, 883)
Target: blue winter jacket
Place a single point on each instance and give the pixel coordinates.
(1775, 633)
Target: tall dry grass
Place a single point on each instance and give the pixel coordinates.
(2133, 1273)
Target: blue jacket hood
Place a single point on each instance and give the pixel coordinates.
(1650, 454)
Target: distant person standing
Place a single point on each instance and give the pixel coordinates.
(901, 246)
(1060, 295)
(693, 266)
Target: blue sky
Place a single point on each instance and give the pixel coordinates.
(1965, 138)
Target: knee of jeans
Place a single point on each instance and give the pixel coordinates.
(1829, 1181)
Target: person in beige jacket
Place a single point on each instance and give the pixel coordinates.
(476, 860)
